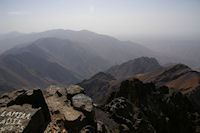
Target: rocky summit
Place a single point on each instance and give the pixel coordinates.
(53, 110)
(136, 107)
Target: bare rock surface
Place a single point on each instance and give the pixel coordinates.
(83, 102)
(71, 107)
(23, 111)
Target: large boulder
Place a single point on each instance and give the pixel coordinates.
(23, 111)
(71, 107)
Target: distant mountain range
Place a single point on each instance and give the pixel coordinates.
(107, 47)
(76, 55)
(63, 57)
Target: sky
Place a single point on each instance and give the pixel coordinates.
(112, 17)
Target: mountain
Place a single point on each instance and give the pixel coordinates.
(97, 87)
(71, 55)
(179, 77)
(107, 47)
(102, 84)
(80, 53)
(28, 70)
(132, 67)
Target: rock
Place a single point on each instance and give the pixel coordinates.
(101, 128)
(82, 102)
(73, 90)
(71, 107)
(23, 111)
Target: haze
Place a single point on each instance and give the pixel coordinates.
(122, 18)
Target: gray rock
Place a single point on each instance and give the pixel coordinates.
(82, 102)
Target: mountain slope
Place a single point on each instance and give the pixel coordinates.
(70, 55)
(180, 77)
(102, 84)
(97, 86)
(28, 70)
(107, 47)
(132, 67)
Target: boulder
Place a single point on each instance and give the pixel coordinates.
(73, 90)
(83, 102)
(69, 106)
(23, 111)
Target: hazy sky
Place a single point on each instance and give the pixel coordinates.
(114, 17)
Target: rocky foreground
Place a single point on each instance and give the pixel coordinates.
(54, 110)
(134, 108)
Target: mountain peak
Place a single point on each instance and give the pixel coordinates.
(132, 67)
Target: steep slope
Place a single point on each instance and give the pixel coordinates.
(132, 67)
(97, 86)
(69, 54)
(180, 77)
(28, 70)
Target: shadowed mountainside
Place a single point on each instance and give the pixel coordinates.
(102, 84)
(27, 70)
(97, 86)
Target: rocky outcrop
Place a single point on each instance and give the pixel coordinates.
(23, 111)
(136, 107)
(71, 108)
(143, 108)
(53, 110)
